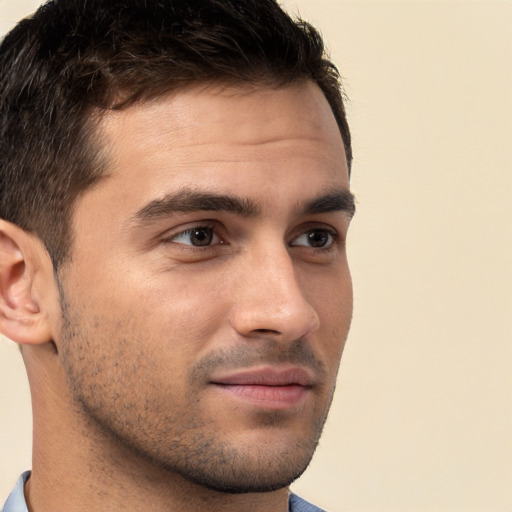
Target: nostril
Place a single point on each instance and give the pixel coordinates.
(266, 331)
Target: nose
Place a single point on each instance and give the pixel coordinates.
(269, 300)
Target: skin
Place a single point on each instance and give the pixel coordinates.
(138, 401)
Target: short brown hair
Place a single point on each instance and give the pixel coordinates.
(74, 58)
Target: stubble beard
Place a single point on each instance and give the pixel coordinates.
(178, 442)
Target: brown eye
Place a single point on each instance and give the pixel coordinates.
(316, 238)
(201, 236)
(198, 236)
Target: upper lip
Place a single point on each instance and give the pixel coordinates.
(267, 376)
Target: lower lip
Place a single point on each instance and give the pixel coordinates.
(269, 397)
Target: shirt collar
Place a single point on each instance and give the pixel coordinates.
(16, 500)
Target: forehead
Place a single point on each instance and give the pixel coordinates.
(213, 114)
(248, 141)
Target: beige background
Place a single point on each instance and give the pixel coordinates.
(422, 420)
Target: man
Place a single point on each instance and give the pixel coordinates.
(173, 213)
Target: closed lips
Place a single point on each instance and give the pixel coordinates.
(267, 377)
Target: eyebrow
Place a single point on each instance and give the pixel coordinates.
(189, 200)
(186, 200)
(333, 201)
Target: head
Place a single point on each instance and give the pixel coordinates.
(73, 61)
(183, 165)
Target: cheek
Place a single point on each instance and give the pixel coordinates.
(332, 299)
(183, 312)
(168, 317)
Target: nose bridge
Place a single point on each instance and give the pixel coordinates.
(270, 298)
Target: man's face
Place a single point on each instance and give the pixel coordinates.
(207, 298)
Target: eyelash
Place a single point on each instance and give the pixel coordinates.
(325, 231)
(190, 231)
(334, 238)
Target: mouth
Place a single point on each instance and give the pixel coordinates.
(269, 388)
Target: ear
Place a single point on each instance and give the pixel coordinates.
(22, 262)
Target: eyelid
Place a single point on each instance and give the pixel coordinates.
(172, 235)
(335, 237)
(337, 234)
(189, 232)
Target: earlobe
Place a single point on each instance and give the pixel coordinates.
(22, 318)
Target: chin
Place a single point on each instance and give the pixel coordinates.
(243, 476)
(256, 464)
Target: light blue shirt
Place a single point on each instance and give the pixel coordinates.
(16, 500)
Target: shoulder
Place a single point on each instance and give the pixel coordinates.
(297, 504)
